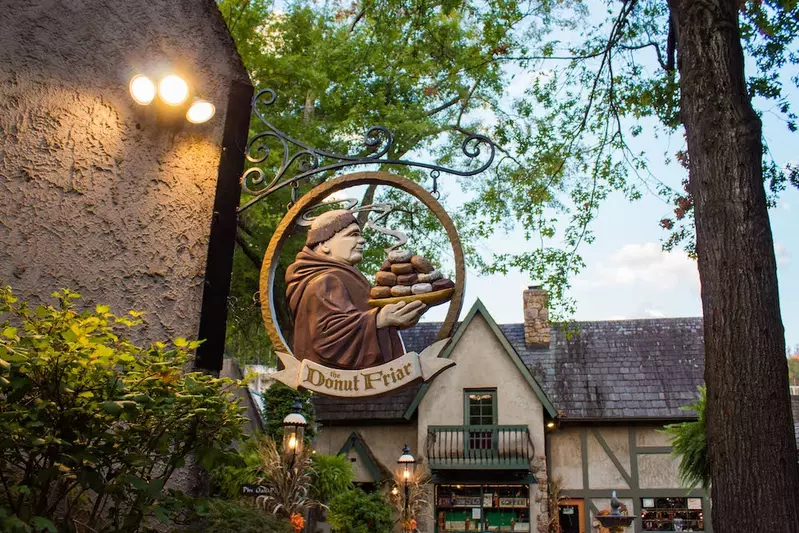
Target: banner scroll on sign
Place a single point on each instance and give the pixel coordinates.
(365, 382)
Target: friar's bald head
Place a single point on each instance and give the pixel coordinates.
(337, 234)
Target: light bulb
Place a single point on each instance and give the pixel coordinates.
(173, 90)
(292, 442)
(406, 475)
(142, 89)
(395, 491)
(200, 111)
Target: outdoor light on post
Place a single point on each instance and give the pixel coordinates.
(294, 431)
(407, 464)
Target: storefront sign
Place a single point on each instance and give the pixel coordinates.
(695, 503)
(344, 328)
(366, 382)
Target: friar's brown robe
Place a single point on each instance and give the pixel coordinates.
(333, 324)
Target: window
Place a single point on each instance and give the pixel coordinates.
(672, 514)
(480, 409)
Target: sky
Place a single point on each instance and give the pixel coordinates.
(627, 274)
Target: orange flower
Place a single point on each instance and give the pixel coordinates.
(298, 522)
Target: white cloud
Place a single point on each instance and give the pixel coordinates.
(655, 313)
(647, 264)
(782, 254)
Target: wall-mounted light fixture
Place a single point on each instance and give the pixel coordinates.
(173, 91)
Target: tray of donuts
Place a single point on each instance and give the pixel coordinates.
(405, 277)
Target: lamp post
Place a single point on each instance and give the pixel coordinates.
(294, 432)
(407, 464)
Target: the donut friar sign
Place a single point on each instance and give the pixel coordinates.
(347, 330)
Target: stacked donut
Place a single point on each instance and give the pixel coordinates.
(405, 274)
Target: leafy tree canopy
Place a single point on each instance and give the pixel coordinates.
(600, 74)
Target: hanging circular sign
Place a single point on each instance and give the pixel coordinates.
(345, 338)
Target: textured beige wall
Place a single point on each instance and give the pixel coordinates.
(602, 473)
(481, 361)
(565, 455)
(384, 441)
(658, 471)
(650, 436)
(95, 194)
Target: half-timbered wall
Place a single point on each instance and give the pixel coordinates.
(635, 461)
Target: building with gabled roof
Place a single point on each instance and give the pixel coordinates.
(532, 411)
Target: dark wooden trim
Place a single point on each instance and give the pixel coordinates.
(622, 421)
(222, 240)
(633, 444)
(635, 493)
(584, 459)
(653, 450)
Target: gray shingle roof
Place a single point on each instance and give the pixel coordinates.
(625, 369)
(384, 408)
(618, 369)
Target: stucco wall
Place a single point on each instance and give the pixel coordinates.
(96, 194)
(565, 455)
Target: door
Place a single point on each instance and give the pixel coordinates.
(571, 513)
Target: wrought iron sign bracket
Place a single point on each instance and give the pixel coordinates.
(300, 161)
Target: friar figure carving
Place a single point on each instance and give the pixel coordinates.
(328, 298)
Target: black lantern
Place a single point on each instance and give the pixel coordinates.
(294, 431)
(407, 465)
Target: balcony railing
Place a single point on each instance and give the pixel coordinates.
(479, 447)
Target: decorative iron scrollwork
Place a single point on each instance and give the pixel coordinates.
(299, 161)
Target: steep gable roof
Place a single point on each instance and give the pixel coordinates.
(356, 443)
(478, 307)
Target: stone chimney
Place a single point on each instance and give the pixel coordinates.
(536, 317)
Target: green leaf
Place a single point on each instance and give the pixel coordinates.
(180, 342)
(161, 515)
(111, 407)
(42, 523)
(9, 332)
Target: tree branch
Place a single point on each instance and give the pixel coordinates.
(443, 106)
(245, 247)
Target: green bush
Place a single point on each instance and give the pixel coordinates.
(92, 426)
(237, 516)
(279, 400)
(354, 511)
(331, 475)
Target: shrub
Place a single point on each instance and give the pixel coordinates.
(92, 427)
(237, 516)
(354, 511)
(331, 475)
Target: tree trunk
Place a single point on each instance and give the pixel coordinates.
(751, 447)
